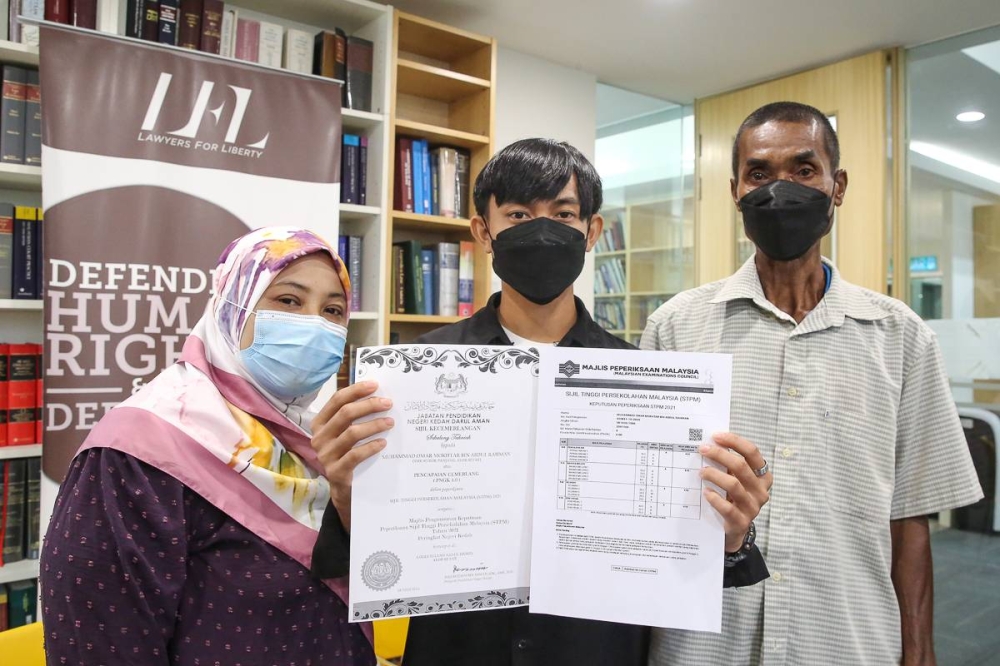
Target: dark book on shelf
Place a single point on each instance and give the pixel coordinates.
(6, 250)
(403, 195)
(354, 253)
(12, 122)
(350, 169)
(358, 87)
(38, 246)
(57, 11)
(4, 621)
(24, 279)
(4, 379)
(330, 54)
(427, 262)
(168, 22)
(363, 172)
(133, 18)
(33, 120)
(22, 600)
(32, 508)
(188, 24)
(211, 26)
(22, 394)
(15, 474)
(150, 20)
(399, 277)
(413, 277)
(463, 168)
(85, 14)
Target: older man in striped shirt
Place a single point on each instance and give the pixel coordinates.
(845, 392)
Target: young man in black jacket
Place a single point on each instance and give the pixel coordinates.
(537, 213)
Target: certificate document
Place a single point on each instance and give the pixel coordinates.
(441, 518)
(622, 531)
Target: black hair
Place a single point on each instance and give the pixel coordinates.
(533, 170)
(789, 112)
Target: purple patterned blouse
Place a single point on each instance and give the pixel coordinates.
(138, 569)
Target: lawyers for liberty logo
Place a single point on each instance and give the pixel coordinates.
(186, 136)
(569, 368)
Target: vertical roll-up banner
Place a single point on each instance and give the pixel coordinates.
(154, 159)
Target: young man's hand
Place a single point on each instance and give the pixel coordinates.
(746, 492)
(335, 438)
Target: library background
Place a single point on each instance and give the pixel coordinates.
(427, 100)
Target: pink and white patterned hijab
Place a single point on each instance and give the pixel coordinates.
(206, 422)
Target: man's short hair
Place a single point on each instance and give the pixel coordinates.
(789, 112)
(533, 170)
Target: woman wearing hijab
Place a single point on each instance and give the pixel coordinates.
(184, 529)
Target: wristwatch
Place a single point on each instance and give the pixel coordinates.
(732, 559)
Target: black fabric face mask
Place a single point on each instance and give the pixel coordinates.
(539, 259)
(784, 219)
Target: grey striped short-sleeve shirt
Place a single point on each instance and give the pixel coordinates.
(852, 409)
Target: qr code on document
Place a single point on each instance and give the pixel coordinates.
(694, 434)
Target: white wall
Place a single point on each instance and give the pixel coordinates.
(539, 98)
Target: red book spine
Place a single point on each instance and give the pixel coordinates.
(21, 388)
(4, 376)
(57, 10)
(39, 394)
(189, 24)
(404, 176)
(247, 40)
(85, 14)
(211, 26)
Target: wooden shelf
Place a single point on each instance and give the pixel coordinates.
(364, 316)
(671, 294)
(29, 305)
(437, 135)
(420, 80)
(437, 223)
(15, 571)
(610, 295)
(360, 121)
(353, 212)
(20, 451)
(14, 53)
(436, 40)
(20, 177)
(423, 319)
(608, 255)
(643, 250)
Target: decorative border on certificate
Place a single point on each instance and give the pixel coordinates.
(415, 359)
(444, 603)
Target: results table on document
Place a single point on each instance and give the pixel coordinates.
(637, 478)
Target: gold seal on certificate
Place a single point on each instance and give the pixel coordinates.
(441, 519)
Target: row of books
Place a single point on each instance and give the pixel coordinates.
(350, 250)
(354, 169)
(20, 252)
(613, 237)
(431, 181)
(214, 27)
(610, 315)
(647, 305)
(18, 604)
(21, 393)
(81, 13)
(21, 117)
(433, 280)
(609, 278)
(20, 487)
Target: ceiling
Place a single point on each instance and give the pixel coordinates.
(680, 50)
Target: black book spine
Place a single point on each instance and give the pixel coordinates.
(363, 172)
(168, 22)
(150, 20)
(133, 19)
(12, 123)
(33, 121)
(349, 170)
(24, 282)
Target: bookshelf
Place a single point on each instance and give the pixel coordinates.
(645, 258)
(443, 92)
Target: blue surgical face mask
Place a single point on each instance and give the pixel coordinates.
(293, 355)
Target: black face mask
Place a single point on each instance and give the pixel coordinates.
(539, 259)
(785, 219)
